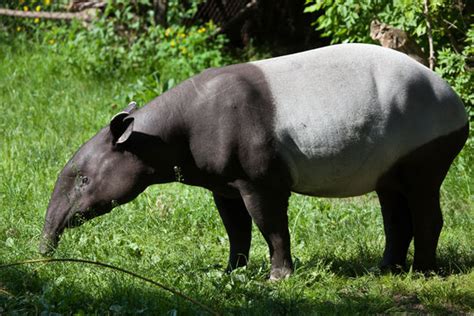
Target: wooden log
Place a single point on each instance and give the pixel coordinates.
(85, 16)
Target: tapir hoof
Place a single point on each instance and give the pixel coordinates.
(280, 273)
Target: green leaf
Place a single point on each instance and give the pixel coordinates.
(10, 242)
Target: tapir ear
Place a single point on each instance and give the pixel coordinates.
(121, 125)
(121, 130)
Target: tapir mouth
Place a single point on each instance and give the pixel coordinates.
(48, 244)
(50, 238)
(52, 232)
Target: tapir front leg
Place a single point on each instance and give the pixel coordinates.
(268, 208)
(238, 225)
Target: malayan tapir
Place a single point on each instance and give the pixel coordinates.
(338, 121)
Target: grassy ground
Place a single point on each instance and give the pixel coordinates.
(173, 234)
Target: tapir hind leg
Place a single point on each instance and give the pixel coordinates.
(427, 225)
(238, 225)
(421, 174)
(398, 229)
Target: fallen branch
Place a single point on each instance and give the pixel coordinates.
(82, 16)
(105, 265)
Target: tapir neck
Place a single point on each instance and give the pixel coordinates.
(162, 123)
(163, 117)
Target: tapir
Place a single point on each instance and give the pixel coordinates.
(337, 121)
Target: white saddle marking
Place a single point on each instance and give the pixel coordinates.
(346, 113)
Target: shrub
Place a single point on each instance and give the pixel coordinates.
(126, 42)
(175, 52)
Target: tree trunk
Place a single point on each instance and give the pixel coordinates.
(161, 8)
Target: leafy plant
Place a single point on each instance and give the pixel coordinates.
(126, 41)
(455, 68)
(33, 26)
(160, 57)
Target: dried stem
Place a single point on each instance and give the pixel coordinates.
(431, 57)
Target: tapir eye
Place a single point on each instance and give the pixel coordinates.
(84, 180)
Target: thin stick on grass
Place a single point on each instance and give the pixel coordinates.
(105, 265)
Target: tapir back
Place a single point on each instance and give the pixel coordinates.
(346, 113)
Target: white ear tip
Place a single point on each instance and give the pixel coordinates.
(132, 106)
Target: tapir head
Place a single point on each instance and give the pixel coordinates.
(102, 174)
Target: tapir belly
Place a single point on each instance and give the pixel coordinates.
(338, 168)
(345, 114)
(339, 158)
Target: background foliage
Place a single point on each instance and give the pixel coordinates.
(126, 42)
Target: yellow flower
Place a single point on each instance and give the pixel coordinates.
(25, 8)
(47, 2)
(37, 20)
(18, 28)
(38, 8)
(172, 43)
(51, 41)
(182, 35)
(167, 32)
(184, 50)
(201, 30)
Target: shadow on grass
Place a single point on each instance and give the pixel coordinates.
(344, 303)
(25, 291)
(33, 292)
(350, 267)
(349, 298)
(34, 295)
(452, 261)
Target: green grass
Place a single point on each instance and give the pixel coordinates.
(173, 234)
